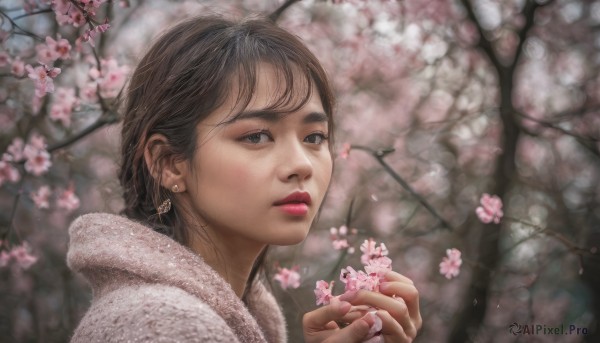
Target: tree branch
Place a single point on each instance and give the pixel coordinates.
(484, 43)
(588, 143)
(47, 10)
(277, 13)
(379, 156)
(107, 120)
(21, 31)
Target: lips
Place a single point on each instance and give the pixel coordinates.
(295, 198)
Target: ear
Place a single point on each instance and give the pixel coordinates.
(162, 164)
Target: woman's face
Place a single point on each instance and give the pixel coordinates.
(243, 171)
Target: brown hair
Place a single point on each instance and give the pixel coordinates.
(185, 76)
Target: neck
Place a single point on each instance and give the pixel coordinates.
(231, 258)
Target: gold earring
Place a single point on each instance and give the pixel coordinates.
(175, 189)
(164, 207)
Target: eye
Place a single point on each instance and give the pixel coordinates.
(316, 138)
(257, 137)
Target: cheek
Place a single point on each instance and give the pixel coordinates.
(325, 171)
(236, 175)
(239, 176)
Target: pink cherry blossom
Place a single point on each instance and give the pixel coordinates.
(323, 292)
(356, 280)
(111, 77)
(340, 244)
(53, 50)
(30, 5)
(42, 75)
(41, 197)
(63, 103)
(379, 266)
(38, 160)
(8, 173)
(490, 209)
(371, 251)
(450, 265)
(22, 256)
(376, 267)
(374, 334)
(45, 55)
(18, 68)
(67, 199)
(60, 47)
(15, 149)
(88, 93)
(4, 59)
(5, 258)
(345, 150)
(104, 27)
(339, 238)
(288, 277)
(66, 13)
(37, 141)
(90, 34)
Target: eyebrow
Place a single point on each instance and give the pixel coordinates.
(273, 116)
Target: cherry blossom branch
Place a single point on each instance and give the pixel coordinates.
(101, 122)
(277, 13)
(379, 156)
(46, 10)
(484, 43)
(85, 13)
(21, 30)
(586, 142)
(572, 247)
(344, 253)
(13, 212)
(528, 13)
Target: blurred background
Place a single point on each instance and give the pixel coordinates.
(439, 102)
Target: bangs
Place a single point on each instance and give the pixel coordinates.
(292, 87)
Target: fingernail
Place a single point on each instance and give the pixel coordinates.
(348, 296)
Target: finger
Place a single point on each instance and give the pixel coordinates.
(356, 312)
(353, 333)
(318, 319)
(397, 308)
(406, 291)
(391, 330)
(393, 276)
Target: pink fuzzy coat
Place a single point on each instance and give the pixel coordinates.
(148, 288)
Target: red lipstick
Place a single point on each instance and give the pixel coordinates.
(295, 204)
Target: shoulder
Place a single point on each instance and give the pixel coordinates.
(102, 220)
(266, 311)
(151, 313)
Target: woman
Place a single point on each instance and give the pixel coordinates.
(226, 149)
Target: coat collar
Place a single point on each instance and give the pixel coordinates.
(103, 242)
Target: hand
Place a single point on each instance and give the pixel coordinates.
(320, 325)
(397, 304)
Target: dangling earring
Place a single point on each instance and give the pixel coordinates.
(164, 207)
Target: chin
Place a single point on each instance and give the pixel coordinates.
(291, 238)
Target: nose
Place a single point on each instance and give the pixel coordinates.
(295, 162)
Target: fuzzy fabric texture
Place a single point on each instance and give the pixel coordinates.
(149, 288)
